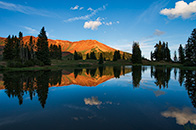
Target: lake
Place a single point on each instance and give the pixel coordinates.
(116, 98)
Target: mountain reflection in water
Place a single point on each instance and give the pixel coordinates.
(38, 82)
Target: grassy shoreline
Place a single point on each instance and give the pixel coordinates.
(60, 64)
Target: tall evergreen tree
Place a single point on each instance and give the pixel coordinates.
(124, 57)
(136, 54)
(101, 59)
(8, 49)
(175, 57)
(161, 52)
(151, 56)
(87, 56)
(59, 52)
(42, 48)
(31, 46)
(181, 54)
(75, 55)
(168, 56)
(190, 49)
(118, 55)
(92, 55)
(188, 52)
(115, 57)
(21, 46)
(16, 48)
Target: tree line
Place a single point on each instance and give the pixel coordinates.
(104, 56)
(187, 54)
(20, 54)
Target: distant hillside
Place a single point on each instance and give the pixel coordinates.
(84, 46)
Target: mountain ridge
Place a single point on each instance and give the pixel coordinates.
(84, 46)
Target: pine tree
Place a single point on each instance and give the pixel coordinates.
(168, 56)
(136, 54)
(42, 48)
(175, 57)
(189, 53)
(124, 57)
(87, 56)
(17, 49)
(59, 52)
(92, 55)
(181, 54)
(21, 46)
(27, 52)
(190, 49)
(101, 59)
(75, 55)
(115, 56)
(31, 50)
(151, 56)
(8, 49)
(118, 55)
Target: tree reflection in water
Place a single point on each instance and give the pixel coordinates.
(136, 75)
(162, 76)
(33, 83)
(190, 85)
(17, 84)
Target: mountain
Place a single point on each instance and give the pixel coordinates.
(84, 46)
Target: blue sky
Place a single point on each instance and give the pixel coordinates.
(115, 23)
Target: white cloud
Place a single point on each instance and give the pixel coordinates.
(23, 9)
(182, 9)
(151, 13)
(31, 30)
(158, 32)
(182, 116)
(92, 101)
(75, 8)
(117, 22)
(90, 9)
(81, 8)
(93, 25)
(108, 24)
(85, 17)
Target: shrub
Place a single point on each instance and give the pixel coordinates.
(188, 63)
(38, 62)
(14, 64)
(2, 67)
(29, 63)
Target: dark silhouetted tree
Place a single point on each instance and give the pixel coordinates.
(136, 54)
(181, 54)
(101, 59)
(8, 49)
(190, 49)
(175, 57)
(42, 48)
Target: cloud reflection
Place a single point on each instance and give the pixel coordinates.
(182, 116)
(92, 101)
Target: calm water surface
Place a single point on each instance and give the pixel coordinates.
(116, 98)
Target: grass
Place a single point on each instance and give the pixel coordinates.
(60, 64)
(169, 64)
